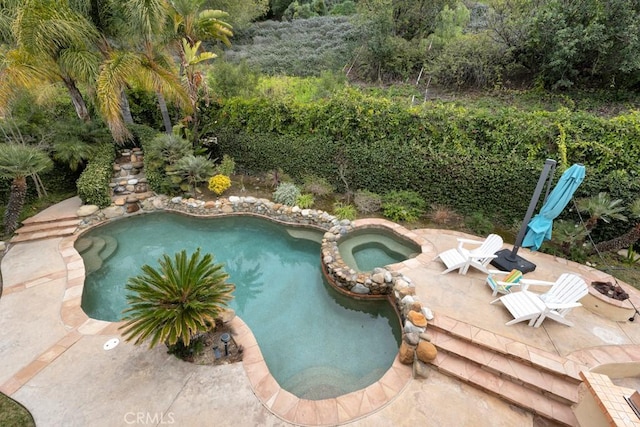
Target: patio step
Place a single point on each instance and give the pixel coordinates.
(539, 389)
(36, 230)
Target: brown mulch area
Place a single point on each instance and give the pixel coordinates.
(213, 339)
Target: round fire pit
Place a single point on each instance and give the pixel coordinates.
(611, 290)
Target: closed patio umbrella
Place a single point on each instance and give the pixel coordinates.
(539, 228)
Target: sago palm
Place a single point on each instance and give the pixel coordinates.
(628, 239)
(194, 169)
(601, 207)
(17, 162)
(173, 303)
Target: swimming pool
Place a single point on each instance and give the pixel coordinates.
(317, 343)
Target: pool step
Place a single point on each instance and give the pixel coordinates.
(535, 387)
(95, 250)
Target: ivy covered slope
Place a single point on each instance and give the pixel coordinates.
(470, 158)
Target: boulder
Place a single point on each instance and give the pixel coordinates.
(428, 314)
(416, 306)
(113, 212)
(412, 338)
(360, 289)
(417, 318)
(420, 369)
(406, 354)
(425, 336)
(426, 351)
(410, 327)
(120, 201)
(409, 290)
(87, 210)
(133, 207)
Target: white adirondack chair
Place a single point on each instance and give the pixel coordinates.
(461, 258)
(554, 304)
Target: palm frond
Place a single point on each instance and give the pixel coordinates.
(175, 301)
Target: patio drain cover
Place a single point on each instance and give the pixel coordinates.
(112, 343)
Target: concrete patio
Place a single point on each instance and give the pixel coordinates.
(55, 363)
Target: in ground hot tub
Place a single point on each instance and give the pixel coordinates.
(367, 248)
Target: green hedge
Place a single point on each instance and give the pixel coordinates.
(471, 159)
(349, 116)
(93, 184)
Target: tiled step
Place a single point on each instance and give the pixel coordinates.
(59, 217)
(556, 387)
(44, 234)
(541, 388)
(34, 227)
(516, 394)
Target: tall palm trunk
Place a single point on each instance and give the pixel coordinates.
(625, 241)
(16, 202)
(168, 128)
(77, 99)
(126, 111)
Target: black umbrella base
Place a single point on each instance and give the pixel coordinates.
(505, 262)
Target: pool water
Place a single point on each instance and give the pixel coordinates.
(317, 343)
(368, 248)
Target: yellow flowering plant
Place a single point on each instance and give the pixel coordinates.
(219, 183)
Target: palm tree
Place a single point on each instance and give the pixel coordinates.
(52, 44)
(601, 207)
(628, 239)
(175, 302)
(195, 169)
(17, 162)
(191, 27)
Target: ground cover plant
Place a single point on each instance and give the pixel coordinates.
(14, 414)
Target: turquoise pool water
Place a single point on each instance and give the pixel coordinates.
(317, 343)
(368, 248)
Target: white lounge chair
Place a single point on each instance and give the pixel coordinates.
(554, 304)
(461, 258)
(503, 282)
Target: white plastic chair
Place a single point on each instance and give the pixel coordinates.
(461, 258)
(554, 304)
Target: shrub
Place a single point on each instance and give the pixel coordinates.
(317, 186)
(443, 215)
(344, 211)
(93, 184)
(227, 166)
(403, 205)
(305, 201)
(287, 193)
(478, 223)
(367, 201)
(160, 155)
(302, 47)
(471, 60)
(219, 184)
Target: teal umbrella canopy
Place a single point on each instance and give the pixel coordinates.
(539, 228)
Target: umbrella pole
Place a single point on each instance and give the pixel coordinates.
(508, 260)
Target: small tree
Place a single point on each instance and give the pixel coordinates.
(177, 301)
(17, 162)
